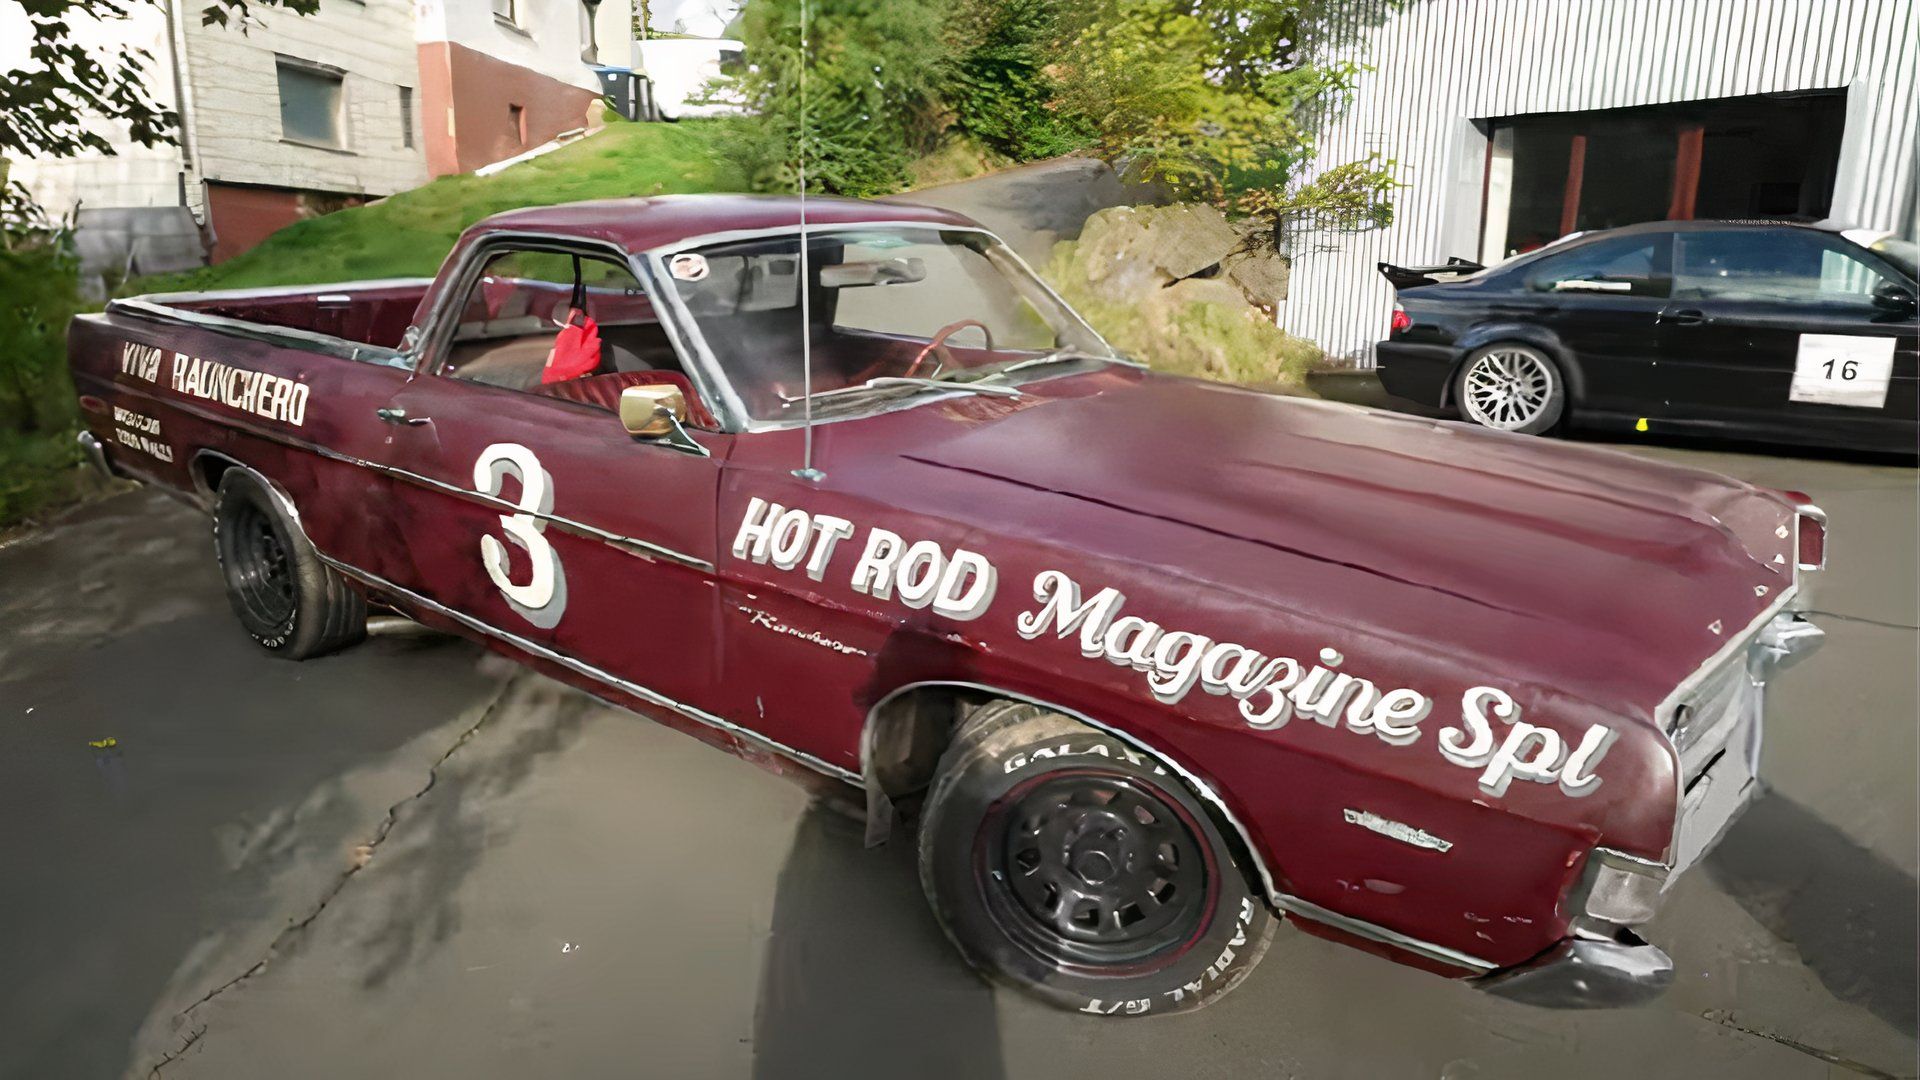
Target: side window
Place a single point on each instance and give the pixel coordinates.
(559, 324)
(1795, 266)
(1623, 266)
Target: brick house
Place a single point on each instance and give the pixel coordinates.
(292, 116)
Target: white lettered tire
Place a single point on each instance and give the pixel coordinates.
(1071, 867)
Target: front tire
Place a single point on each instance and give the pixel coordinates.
(1508, 386)
(1071, 867)
(288, 601)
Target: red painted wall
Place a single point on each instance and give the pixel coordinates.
(467, 100)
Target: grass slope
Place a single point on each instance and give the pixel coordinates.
(408, 234)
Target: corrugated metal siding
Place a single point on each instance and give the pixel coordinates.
(1437, 63)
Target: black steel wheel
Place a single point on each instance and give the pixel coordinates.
(1063, 862)
(289, 602)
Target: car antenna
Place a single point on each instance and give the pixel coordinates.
(806, 471)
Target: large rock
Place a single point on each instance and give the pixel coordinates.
(1131, 251)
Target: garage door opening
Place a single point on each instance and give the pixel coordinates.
(1765, 156)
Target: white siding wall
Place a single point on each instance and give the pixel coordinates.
(134, 176)
(1438, 64)
(234, 100)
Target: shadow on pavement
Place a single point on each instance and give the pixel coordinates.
(1849, 912)
(859, 980)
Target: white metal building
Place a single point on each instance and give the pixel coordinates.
(1513, 122)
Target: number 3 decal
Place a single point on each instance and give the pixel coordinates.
(543, 599)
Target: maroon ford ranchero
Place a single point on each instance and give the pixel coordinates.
(1149, 663)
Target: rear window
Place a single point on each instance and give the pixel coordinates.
(1617, 266)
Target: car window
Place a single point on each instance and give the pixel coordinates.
(552, 323)
(1796, 266)
(1619, 266)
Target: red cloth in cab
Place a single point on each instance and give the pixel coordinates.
(576, 351)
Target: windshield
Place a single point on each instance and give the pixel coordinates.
(906, 309)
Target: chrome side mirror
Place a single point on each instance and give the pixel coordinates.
(658, 413)
(652, 412)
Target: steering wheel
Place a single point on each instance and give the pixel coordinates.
(939, 345)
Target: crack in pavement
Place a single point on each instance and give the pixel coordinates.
(1863, 619)
(363, 855)
(1811, 1051)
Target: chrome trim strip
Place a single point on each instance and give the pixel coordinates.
(285, 337)
(1293, 905)
(1396, 830)
(652, 697)
(645, 548)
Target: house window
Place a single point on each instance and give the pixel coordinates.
(589, 47)
(406, 117)
(507, 11)
(310, 97)
(517, 123)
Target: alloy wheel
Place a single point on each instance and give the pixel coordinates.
(1507, 388)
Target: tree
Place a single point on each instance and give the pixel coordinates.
(53, 106)
(999, 87)
(873, 93)
(1217, 100)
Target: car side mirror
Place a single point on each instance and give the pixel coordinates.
(652, 412)
(1893, 296)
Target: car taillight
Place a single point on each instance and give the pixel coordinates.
(1813, 538)
(1400, 320)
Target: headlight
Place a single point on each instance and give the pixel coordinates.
(1619, 888)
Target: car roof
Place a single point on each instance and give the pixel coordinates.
(663, 220)
(1715, 223)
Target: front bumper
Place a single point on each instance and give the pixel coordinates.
(1718, 735)
(1590, 970)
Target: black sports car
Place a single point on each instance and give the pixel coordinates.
(1766, 330)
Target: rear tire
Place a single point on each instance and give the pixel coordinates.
(287, 600)
(1508, 386)
(1067, 865)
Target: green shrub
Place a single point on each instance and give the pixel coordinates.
(998, 86)
(39, 293)
(1182, 331)
(873, 104)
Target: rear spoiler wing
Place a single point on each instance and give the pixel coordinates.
(1406, 277)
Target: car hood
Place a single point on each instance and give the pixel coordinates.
(1578, 570)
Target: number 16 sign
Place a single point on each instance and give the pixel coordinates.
(1843, 369)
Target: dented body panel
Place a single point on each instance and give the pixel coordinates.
(1425, 671)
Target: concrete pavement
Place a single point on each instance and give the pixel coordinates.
(416, 859)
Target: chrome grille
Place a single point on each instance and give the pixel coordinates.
(1703, 724)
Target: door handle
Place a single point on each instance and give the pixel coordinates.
(1683, 317)
(399, 416)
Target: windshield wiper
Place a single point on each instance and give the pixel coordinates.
(974, 377)
(893, 381)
